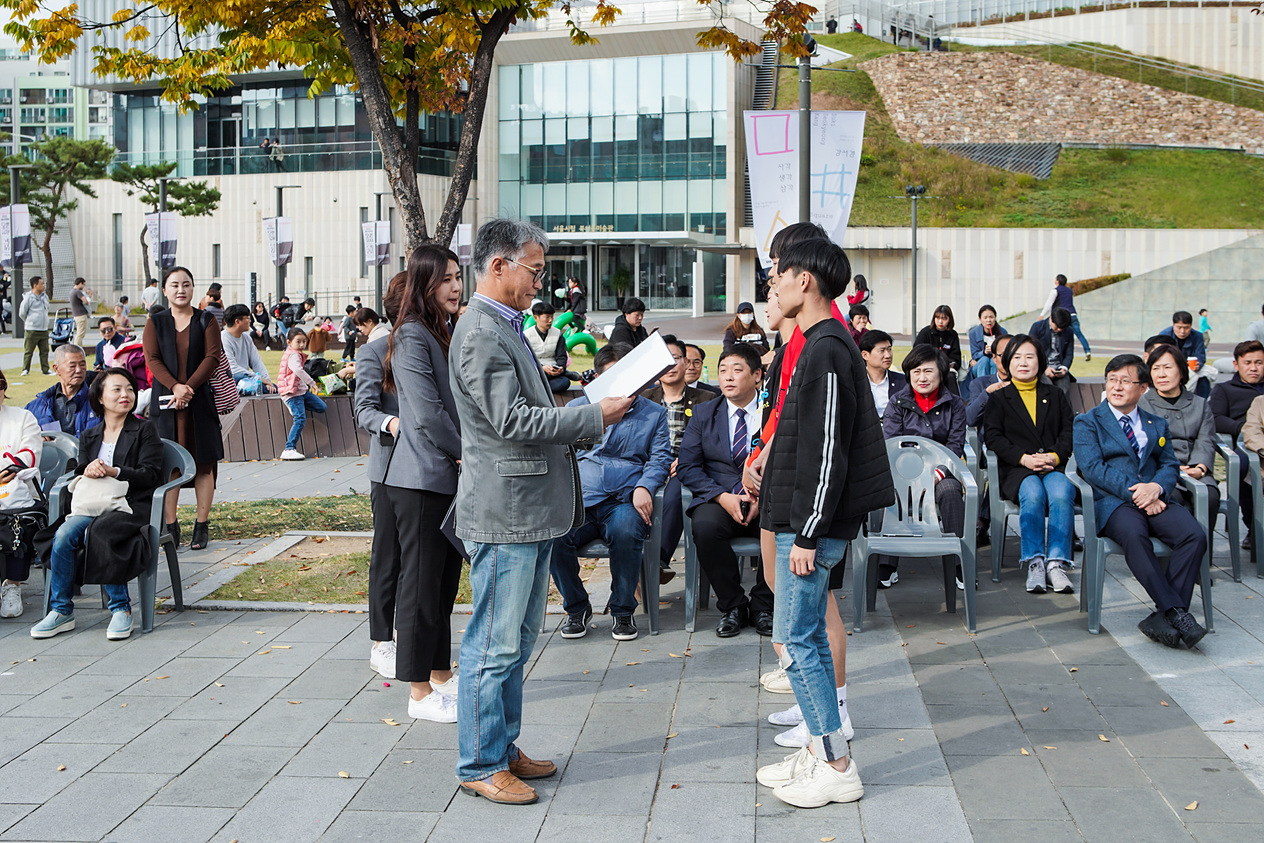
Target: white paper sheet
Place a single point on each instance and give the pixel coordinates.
(640, 368)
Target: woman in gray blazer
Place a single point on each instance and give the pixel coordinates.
(1190, 424)
(419, 481)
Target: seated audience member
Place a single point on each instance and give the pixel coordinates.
(1190, 424)
(982, 339)
(122, 322)
(942, 334)
(858, 322)
(20, 438)
(712, 455)
(1054, 337)
(128, 449)
(1253, 428)
(1126, 456)
(875, 349)
(65, 404)
(259, 322)
(628, 327)
(549, 347)
(1027, 424)
(1192, 345)
(695, 360)
(110, 336)
(927, 409)
(619, 478)
(369, 324)
(243, 357)
(679, 399)
(745, 328)
(1229, 402)
(983, 386)
(1157, 340)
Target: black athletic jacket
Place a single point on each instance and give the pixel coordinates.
(828, 467)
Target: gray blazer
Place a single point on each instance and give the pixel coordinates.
(1189, 424)
(373, 407)
(519, 479)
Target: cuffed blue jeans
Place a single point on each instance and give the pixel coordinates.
(510, 585)
(67, 543)
(1046, 517)
(798, 624)
(621, 527)
(299, 406)
(1079, 335)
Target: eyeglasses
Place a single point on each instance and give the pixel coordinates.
(694, 364)
(1120, 382)
(539, 273)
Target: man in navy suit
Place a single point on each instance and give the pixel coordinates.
(1054, 335)
(1125, 454)
(712, 454)
(875, 349)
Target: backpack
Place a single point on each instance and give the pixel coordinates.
(131, 356)
(317, 367)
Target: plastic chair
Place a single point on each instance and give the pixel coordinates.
(1097, 548)
(1253, 467)
(174, 459)
(910, 526)
(59, 449)
(697, 589)
(1230, 506)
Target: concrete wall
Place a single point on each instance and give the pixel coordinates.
(1230, 40)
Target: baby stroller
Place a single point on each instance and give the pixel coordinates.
(63, 328)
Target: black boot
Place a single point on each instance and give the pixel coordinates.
(199, 539)
(173, 529)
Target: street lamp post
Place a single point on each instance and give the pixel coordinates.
(914, 193)
(15, 196)
(280, 270)
(377, 267)
(805, 130)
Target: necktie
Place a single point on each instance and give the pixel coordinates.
(1126, 423)
(739, 446)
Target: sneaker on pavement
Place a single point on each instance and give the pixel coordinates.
(449, 687)
(576, 624)
(291, 454)
(792, 716)
(1036, 576)
(1058, 582)
(820, 784)
(886, 579)
(434, 706)
(382, 659)
(54, 623)
(1088, 355)
(25, 372)
(784, 771)
(776, 682)
(799, 735)
(1157, 628)
(120, 626)
(10, 600)
(624, 628)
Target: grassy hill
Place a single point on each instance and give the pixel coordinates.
(1111, 188)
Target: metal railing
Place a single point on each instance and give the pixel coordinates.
(656, 11)
(296, 158)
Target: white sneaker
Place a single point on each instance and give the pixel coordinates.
(434, 706)
(291, 454)
(820, 784)
(382, 659)
(25, 372)
(776, 682)
(449, 687)
(1058, 581)
(10, 600)
(792, 716)
(120, 627)
(1036, 576)
(799, 735)
(775, 775)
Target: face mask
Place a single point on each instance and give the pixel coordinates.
(746, 318)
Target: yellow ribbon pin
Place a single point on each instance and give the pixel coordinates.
(1162, 441)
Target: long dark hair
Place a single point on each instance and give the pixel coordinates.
(739, 329)
(427, 266)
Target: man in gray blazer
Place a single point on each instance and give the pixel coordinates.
(519, 490)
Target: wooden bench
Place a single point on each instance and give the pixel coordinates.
(260, 429)
(1086, 393)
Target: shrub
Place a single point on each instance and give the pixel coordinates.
(1087, 285)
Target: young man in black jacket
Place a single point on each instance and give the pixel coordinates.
(828, 440)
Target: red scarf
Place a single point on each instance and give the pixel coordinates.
(925, 401)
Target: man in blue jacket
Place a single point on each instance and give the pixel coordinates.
(619, 478)
(1192, 343)
(66, 402)
(1125, 454)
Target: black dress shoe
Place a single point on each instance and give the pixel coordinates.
(1157, 628)
(1190, 630)
(732, 622)
(763, 623)
(1077, 546)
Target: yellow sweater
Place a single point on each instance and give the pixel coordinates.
(1027, 392)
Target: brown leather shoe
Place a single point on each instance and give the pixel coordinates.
(525, 768)
(503, 787)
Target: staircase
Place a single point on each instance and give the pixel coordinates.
(765, 97)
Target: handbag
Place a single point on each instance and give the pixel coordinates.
(225, 388)
(93, 496)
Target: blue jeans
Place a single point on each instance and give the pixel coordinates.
(67, 543)
(620, 526)
(298, 408)
(510, 585)
(798, 624)
(1046, 501)
(1079, 335)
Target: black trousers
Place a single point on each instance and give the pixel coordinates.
(713, 528)
(1131, 529)
(383, 566)
(673, 526)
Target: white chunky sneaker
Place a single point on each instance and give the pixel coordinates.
(799, 735)
(291, 454)
(10, 600)
(775, 775)
(434, 706)
(820, 784)
(1036, 576)
(776, 682)
(382, 659)
(1058, 581)
(792, 716)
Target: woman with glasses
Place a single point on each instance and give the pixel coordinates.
(1028, 425)
(1190, 424)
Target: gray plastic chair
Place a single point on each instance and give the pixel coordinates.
(697, 589)
(1252, 467)
(59, 449)
(1230, 506)
(174, 459)
(910, 526)
(1097, 548)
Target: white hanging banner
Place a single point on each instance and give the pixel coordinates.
(772, 154)
(15, 235)
(377, 242)
(162, 238)
(279, 232)
(464, 243)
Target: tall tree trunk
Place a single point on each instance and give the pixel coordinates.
(47, 249)
(144, 253)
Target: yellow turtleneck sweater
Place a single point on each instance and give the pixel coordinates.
(1027, 392)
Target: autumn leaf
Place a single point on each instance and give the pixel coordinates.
(1022, 751)
(1103, 739)
(1193, 806)
(343, 774)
